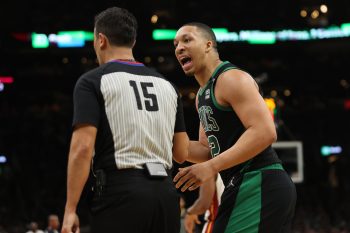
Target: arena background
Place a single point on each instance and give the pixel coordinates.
(309, 81)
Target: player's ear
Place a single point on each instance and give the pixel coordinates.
(209, 45)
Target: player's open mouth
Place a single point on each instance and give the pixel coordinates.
(186, 62)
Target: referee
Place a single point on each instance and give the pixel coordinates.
(128, 126)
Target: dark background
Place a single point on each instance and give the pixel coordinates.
(36, 110)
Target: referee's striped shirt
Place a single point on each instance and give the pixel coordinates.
(135, 110)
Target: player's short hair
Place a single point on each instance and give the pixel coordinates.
(118, 25)
(206, 31)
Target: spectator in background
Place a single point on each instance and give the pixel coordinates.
(53, 224)
(34, 228)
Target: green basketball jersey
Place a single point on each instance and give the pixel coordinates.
(223, 127)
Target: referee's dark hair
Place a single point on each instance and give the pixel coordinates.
(206, 31)
(118, 25)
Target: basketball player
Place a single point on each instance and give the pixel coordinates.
(128, 126)
(236, 125)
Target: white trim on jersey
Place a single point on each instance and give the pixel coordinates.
(139, 135)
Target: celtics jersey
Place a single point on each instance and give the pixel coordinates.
(223, 127)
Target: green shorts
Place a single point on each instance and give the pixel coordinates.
(258, 201)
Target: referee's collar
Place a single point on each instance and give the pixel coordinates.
(127, 62)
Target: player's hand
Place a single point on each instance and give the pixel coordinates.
(193, 176)
(190, 222)
(70, 223)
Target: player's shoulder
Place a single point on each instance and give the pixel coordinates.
(237, 73)
(234, 81)
(235, 76)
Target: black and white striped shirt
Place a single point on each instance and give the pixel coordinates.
(135, 110)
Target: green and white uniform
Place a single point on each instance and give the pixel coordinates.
(259, 195)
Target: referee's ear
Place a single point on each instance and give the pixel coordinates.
(180, 147)
(102, 41)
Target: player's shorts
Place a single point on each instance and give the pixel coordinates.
(258, 201)
(132, 202)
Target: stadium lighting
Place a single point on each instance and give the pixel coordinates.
(331, 150)
(40, 41)
(315, 14)
(154, 19)
(72, 39)
(324, 8)
(6, 79)
(3, 159)
(303, 13)
(267, 37)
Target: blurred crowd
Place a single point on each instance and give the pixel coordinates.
(52, 226)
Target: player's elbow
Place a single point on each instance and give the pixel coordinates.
(274, 136)
(180, 156)
(270, 135)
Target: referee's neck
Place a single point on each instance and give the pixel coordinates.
(116, 53)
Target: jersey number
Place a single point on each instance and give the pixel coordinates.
(214, 145)
(150, 100)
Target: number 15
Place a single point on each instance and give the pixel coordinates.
(150, 100)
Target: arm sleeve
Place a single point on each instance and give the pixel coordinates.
(180, 120)
(86, 106)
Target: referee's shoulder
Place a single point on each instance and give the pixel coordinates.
(94, 73)
(155, 73)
